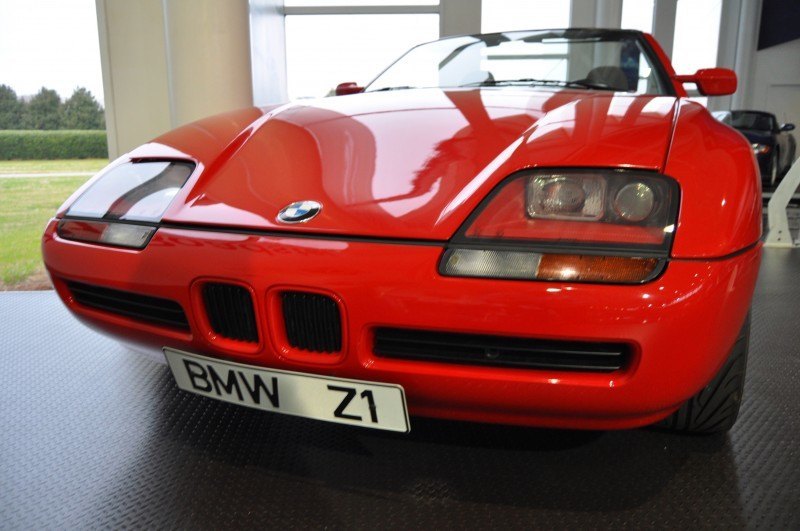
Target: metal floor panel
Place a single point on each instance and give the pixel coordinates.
(93, 435)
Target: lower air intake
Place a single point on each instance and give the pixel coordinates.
(230, 311)
(312, 321)
(500, 351)
(152, 310)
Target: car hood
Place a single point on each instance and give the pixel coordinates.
(410, 164)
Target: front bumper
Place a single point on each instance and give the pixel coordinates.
(681, 326)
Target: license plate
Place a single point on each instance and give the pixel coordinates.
(368, 404)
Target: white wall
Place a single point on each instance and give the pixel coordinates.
(774, 83)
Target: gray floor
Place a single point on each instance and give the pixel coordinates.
(96, 436)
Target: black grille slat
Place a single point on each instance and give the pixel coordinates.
(500, 351)
(313, 322)
(153, 310)
(230, 311)
(111, 300)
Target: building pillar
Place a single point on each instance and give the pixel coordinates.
(608, 14)
(459, 17)
(595, 14)
(268, 51)
(169, 62)
(746, 47)
(664, 15)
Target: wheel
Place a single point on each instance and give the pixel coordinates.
(715, 408)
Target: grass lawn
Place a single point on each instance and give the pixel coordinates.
(51, 166)
(25, 206)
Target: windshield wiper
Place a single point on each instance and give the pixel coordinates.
(588, 84)
(384, 89)
(532, 81)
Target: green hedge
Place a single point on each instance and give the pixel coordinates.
(60, 144)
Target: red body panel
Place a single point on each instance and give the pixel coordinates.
(681, 325)
(411, 168)
(397, 174)
(720, 210)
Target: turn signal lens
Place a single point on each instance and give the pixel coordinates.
(102, 232)
(559, 267)
(580, 268)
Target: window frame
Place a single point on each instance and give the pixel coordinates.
(658, 67)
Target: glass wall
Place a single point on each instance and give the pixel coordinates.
(508, 15)
(337, 3)
(638, 15)
(696, 37)
(325, 50)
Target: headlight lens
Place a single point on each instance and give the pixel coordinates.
(598, 208)
(572, 225)
(136, 193)
(566, 197)
(118, 234)
(634, 202)
(760, 149)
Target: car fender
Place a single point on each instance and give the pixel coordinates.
(720, 207)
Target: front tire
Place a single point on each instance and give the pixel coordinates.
(715, 408)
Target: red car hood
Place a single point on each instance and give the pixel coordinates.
(410, 164)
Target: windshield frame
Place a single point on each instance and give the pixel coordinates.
(658, 67)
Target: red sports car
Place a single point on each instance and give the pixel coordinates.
(531, 227)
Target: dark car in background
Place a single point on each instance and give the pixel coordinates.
(773, 145)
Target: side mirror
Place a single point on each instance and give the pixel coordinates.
(787, 127)
(343, 89)
(712, 81)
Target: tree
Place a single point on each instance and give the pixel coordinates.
(10, 109)
(42, 112)
(81, 111)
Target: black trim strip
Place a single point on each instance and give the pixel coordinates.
(500, 351)
(561, 247)
(110, 220)
(137, 306)
(271, 233)
(473, 243)
(728, 256)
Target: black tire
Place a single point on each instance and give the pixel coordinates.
(715, 408)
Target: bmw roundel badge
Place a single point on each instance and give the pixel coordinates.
(299, 212)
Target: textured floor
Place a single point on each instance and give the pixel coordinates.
(92, 435)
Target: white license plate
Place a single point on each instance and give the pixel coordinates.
(368, 404)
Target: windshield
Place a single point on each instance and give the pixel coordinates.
(580, 59)
(752, 120)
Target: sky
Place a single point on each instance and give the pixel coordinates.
(50, 43)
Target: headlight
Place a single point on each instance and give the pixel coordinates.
(123, 206)
(572, 225)
(760, 149)
(118, 234)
